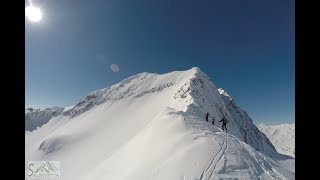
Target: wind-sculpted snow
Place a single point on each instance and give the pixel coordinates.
(152, 126)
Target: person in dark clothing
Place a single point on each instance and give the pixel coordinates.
(212, 120)
(224, 123)
(207, 116)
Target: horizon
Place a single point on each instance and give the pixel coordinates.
(245, 48)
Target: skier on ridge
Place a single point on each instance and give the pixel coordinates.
(224, 123)
(207, 116)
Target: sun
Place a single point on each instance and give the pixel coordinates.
(34, 14)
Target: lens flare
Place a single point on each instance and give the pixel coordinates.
(114, 67)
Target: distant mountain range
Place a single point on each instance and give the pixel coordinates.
(282, 137)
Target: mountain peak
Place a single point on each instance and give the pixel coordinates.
(196, 69)
(154, 119)
(189, 91)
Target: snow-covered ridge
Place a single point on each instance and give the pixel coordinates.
(135, 86)
(152, 126)
(282, 137)
(248, 132)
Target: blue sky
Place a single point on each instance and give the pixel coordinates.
(245, 47)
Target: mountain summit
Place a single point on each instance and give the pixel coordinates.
(152, 126)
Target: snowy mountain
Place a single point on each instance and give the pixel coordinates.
(152, 126)
(282, 137)
(37, 117)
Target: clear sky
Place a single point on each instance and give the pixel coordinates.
(246, 47)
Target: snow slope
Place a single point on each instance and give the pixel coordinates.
(282, 137)
(151, 126)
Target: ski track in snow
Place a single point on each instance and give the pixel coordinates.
(214, 160)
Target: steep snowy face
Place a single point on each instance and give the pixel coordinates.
(37, 117)
(245, 129)
(152, 126)
(282, 137)
(199, 95)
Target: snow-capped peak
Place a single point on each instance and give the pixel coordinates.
(153, 126)
(196, 70)
(189, 91)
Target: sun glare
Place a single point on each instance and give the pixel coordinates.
(34, 14)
